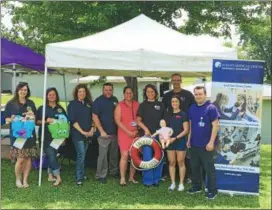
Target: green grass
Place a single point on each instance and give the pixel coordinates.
(111, 195)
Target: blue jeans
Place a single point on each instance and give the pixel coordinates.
(53, 165)
(151, 176)
(81, 149)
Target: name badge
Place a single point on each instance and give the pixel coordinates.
(133, 124)
(201, 123)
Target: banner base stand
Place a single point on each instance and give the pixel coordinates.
(231, 193)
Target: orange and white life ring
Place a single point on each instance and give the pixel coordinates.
(136, 160)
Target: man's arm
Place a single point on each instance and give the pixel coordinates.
(215, 128)
(99, 126)
(189, 135)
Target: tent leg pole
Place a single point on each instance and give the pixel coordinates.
(43, 124)
(158, 88)
(78, 74)
(14, 78)
(64, 86)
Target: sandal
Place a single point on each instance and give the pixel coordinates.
(19, 184)
(25, 185)
(133, 181)
(52, 179)
(123, 183)
(57, 183)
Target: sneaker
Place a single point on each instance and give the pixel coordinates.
(180, 187)
(102, 180)
(172, 187)
(188, 181)
(211, 196)
(85, 178)
(164, 178)
(79, 183)
(194, 190)
(156, 185)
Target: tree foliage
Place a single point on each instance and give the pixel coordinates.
(256, 39)
(38, 23)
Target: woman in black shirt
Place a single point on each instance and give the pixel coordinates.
(150, 112)
(52, 111)
(20, 107)
(80, 117)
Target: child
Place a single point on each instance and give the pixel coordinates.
(164, 134)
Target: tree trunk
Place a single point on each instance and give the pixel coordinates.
(132, 82)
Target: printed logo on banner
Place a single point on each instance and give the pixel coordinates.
(237, 94)
(217, 64)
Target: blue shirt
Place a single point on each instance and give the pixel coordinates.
(104, 108)
(13, 108)
(80, 112)
(201, 118)
(175, 121)
(50, 112)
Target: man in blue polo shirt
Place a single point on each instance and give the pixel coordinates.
(103, 116)
(204, 124)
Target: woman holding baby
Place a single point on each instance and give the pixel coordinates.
(176, 151)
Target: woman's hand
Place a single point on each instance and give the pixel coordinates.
(147, 132)
(171, 140)
(84, 133)
(49, 120)
(29, 113)
(91, 133)
(132, 134)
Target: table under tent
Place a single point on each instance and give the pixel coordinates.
(140, 47)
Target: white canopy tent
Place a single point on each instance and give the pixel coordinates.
(115, 79)
(139, 47)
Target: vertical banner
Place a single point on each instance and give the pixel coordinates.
(237, 91)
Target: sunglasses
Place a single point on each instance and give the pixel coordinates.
(23, 83)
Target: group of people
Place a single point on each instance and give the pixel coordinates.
(193, 120)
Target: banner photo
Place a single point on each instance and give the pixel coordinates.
(237, 91)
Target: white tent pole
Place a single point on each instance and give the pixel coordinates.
(65, 94)
(43, 124)
(78, 74)
(14, 78)
(158, 88)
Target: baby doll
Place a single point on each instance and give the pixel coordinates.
(164, 134)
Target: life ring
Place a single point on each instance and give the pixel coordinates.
(136, 160)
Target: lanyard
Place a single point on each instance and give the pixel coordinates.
(133, 118)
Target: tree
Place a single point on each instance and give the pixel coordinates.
(256, 41)
(44, 22)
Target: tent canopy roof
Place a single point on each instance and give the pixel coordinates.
(138, 47)
(12, 53)
(116, 79)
